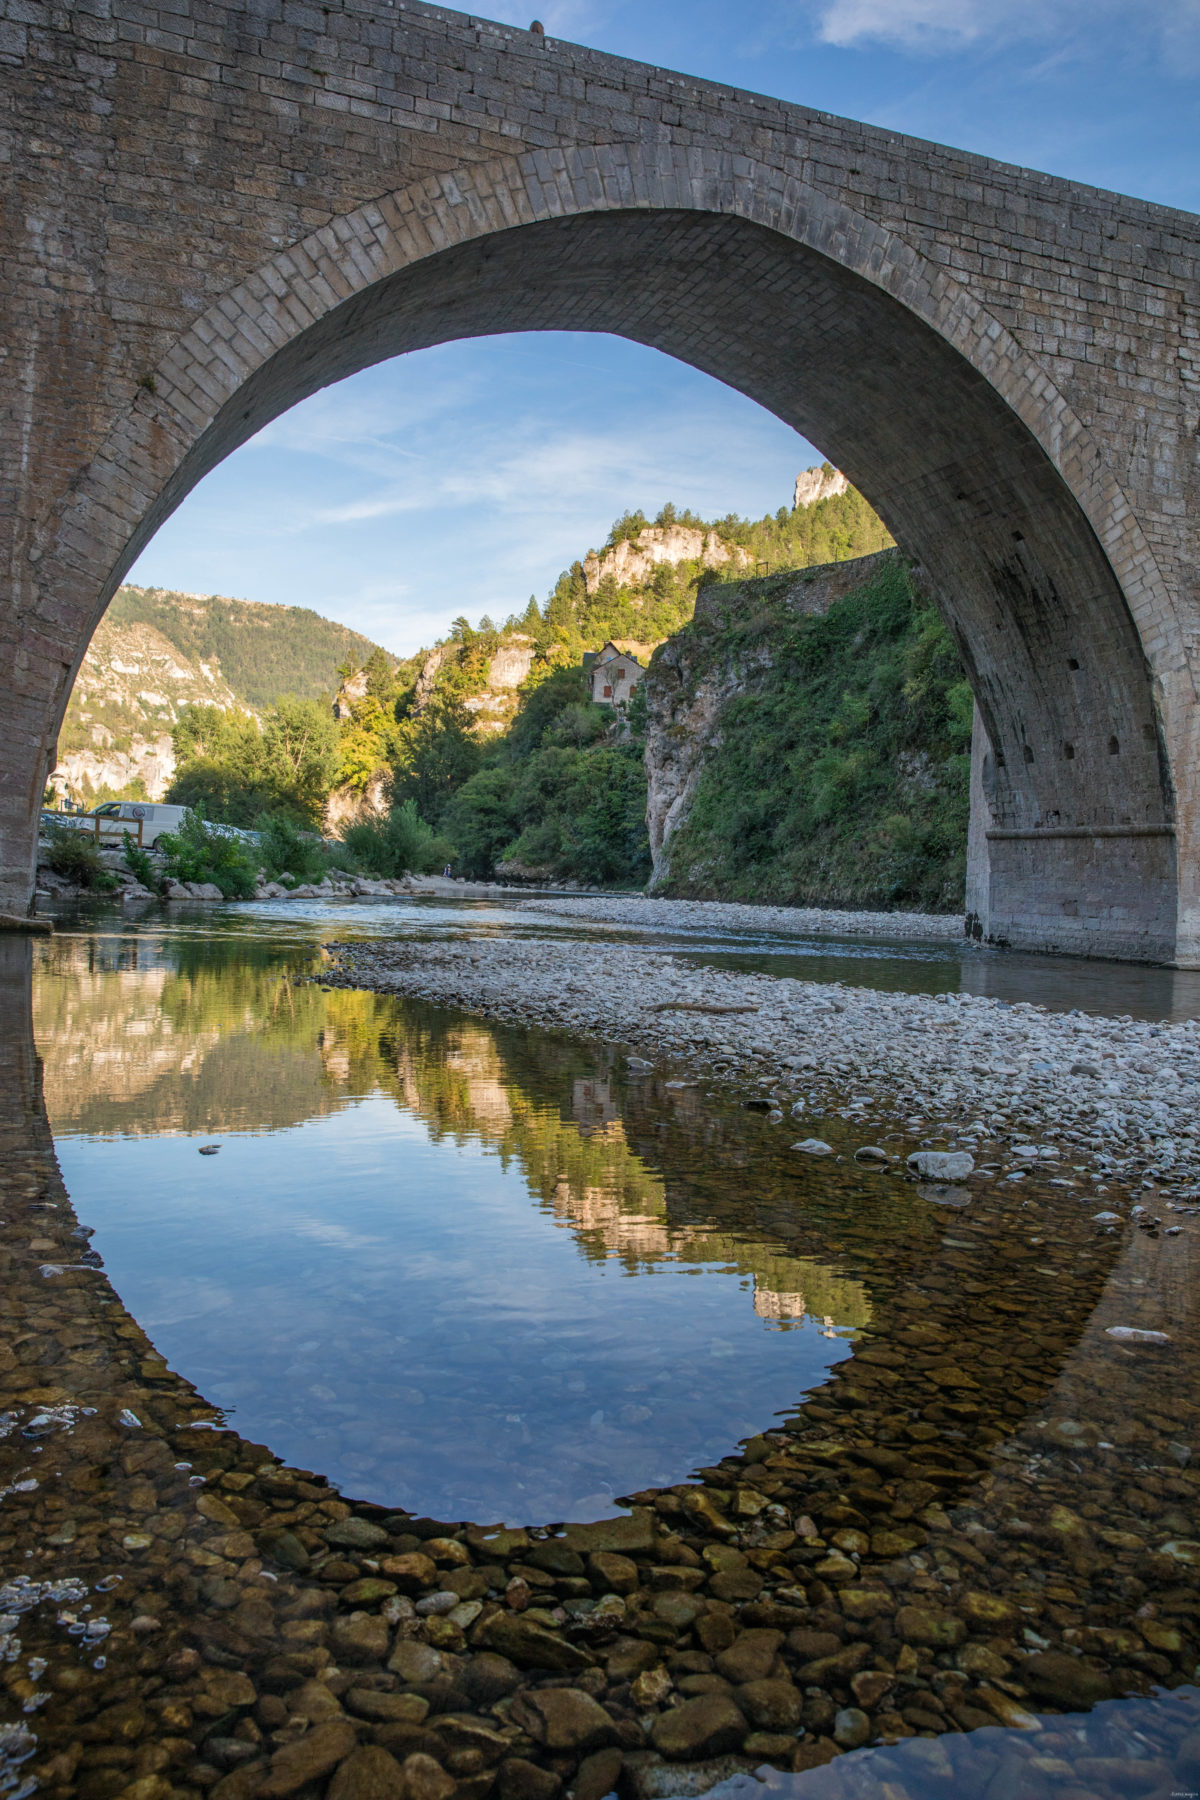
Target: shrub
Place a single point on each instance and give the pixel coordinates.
(286, 845)
(196, 852)
(139, 862)
(400, 843)
(75, 855)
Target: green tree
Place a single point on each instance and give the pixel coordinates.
(438, 753)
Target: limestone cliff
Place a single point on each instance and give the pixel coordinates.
(808, 743)
(824, 483)
(696, 673)
(632, 561)
(130, 690)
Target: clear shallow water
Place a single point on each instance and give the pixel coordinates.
(425, 1260)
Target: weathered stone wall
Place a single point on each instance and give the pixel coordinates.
(216, 209)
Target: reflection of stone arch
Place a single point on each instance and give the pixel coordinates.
(836, 322)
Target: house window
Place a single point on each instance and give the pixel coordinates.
(607, 692)
(620, 674)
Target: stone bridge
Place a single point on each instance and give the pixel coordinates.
(215, 209)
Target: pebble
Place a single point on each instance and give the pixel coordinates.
(941, 1165)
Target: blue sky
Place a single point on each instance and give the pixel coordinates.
(463, 479)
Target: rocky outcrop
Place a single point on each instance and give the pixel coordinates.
(352, 689)
(131, 687)
(633, 560)
(427, 679)
(351, 806)
(693, 676)
(511, 663)
(822, 483)
(496, 706)
(83, 772)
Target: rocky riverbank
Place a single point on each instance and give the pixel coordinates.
(1011, 1086)
(643, 912)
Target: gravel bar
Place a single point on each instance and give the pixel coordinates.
(1115, 1095)
(641, 911)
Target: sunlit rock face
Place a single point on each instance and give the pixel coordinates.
(631, 561)
(822, 483)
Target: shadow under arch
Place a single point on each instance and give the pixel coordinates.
(954, 434)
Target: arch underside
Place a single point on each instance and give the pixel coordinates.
(1043, 626)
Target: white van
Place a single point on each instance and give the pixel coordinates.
(108, 822)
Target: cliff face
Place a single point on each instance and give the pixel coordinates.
(696, 673)
(130, 690)
(825, 483)
(807, 742)
(631, 562)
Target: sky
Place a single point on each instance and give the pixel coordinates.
(464, 478)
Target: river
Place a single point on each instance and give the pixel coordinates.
(449, 1270)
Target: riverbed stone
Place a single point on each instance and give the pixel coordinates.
(613, 1573)
(702, 1727)
(750, 1657)
(631, 1536)
(851, 1728)
(941, 1165)
(772, 1705)
(530, 1645)
(425, 1779)
(368, 1773)
(355, 1534)
(360, 1638)
(563, 1719)
(523, 1780)
(1063, 1680)
(307, 1759)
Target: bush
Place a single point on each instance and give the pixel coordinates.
(75, 855)
(139, 862)
(400, 843)
(285, 845)
(198, 853)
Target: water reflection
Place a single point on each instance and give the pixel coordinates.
(359, 1277)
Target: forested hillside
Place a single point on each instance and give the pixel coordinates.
(156, 654)
(486, 751)
(262, 651)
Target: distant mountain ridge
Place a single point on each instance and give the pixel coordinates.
(157, 651)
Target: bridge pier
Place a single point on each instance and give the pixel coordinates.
(1075, 890)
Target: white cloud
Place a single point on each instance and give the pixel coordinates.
(948, 25)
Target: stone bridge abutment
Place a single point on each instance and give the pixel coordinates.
(219, 210)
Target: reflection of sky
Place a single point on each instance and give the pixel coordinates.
(401, 1315)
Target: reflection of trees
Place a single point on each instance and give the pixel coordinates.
(143, 1035)
(505, 1089)
(140, 1038)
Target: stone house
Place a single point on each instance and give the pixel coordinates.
(613, 673)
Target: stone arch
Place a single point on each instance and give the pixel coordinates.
(881, 358)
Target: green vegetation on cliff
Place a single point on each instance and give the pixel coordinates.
(839, 764)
